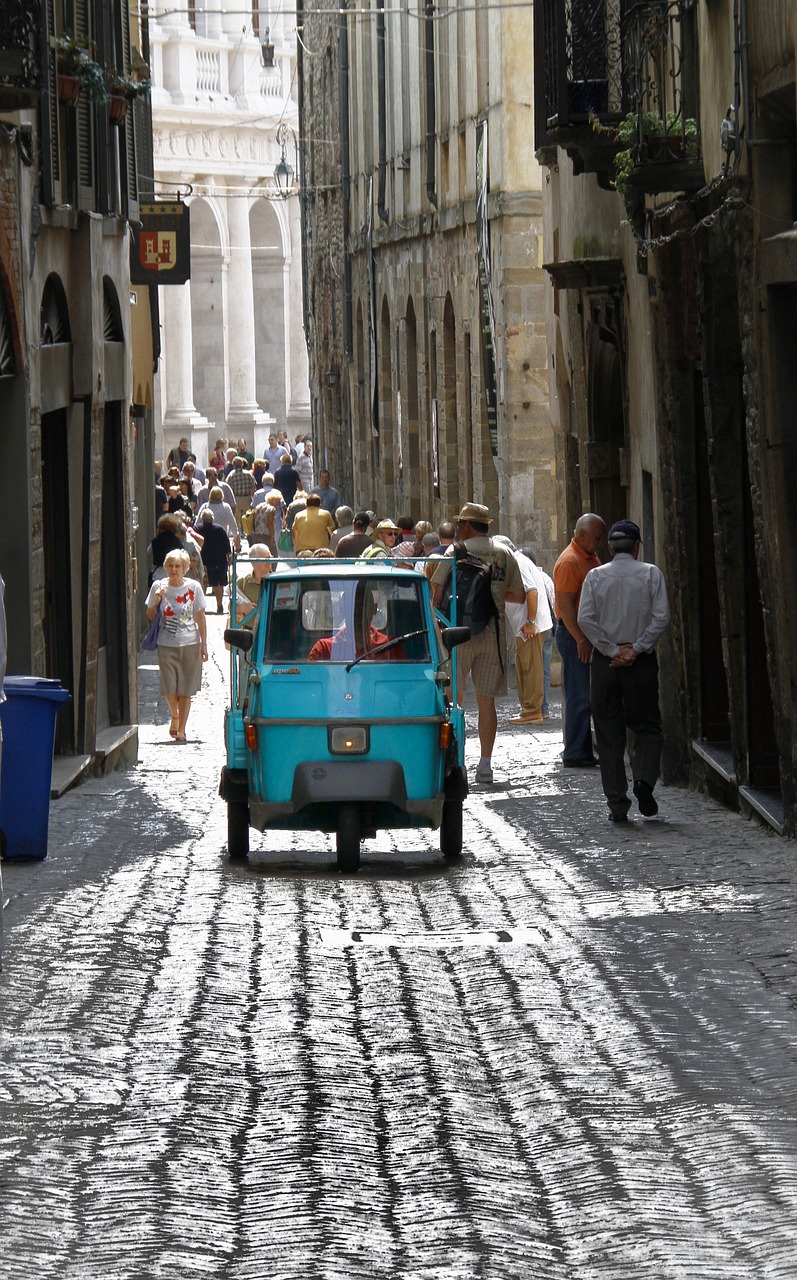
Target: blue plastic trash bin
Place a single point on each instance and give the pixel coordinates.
(28, 720)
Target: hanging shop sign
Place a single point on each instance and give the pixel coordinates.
(161, 249)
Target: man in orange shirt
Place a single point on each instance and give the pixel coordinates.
(569, 573)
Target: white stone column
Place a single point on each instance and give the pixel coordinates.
(244, 414)
(174, 14)
(180, 416)
(297, 376)
(208, 21)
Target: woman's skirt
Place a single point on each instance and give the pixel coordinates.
(180, 669)
(218, 575)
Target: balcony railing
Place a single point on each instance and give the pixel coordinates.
(213, 69)
(606, 62)
(580, 55)
(20, 65)
(661, 57)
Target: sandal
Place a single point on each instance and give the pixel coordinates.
(173, 723)
(180, 739)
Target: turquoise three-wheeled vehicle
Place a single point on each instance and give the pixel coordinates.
(343, 714)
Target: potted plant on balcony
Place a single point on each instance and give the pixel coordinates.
(77, 72)
(650, 137)
(122, 90)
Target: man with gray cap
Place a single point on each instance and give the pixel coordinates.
(484, 655)
(623, 611)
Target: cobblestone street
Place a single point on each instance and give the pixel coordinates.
(569, 1055)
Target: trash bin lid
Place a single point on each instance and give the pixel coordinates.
(35, 687)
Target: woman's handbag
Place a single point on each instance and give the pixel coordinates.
(285, 543)
(150, 641)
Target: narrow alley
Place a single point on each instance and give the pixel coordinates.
(568, 1055)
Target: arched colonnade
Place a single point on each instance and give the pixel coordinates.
(233, 363)
(421, 444)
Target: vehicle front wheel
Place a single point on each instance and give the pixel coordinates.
(451, 829)
(237, 829)
(348, 837)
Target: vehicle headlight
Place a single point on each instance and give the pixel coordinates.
(348, 739)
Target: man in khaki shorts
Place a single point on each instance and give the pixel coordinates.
(483, 656)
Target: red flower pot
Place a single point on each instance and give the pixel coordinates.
(117, 108)
(68, 90)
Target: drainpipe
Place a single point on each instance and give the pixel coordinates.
(431, 118)
(302, 174)
(345, 174)
(381, 185)
(345, 184)
(745, 69)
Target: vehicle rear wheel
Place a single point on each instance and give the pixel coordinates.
(348, 837)
(237, 829)
(451, 829)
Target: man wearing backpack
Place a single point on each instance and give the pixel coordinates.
(484, 655)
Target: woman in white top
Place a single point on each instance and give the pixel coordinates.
(182, 640)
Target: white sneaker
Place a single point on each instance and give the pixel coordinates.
(483, 773)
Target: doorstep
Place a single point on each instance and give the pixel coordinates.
(718, 756)
(115, 747)
(767, 804)
(67, 770)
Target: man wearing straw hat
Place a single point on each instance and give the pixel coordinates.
(484, 655)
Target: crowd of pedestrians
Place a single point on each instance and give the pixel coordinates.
(606, 617)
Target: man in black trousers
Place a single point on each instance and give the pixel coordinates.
(623, 610)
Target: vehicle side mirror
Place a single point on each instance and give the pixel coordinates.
(240, 638)
(452, 636)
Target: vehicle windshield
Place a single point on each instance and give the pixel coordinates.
(339, 619)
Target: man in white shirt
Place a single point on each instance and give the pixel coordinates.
(304, 463)
(530, 622)
(623, 611)
(273, 453)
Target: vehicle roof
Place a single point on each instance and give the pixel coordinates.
(343, 569)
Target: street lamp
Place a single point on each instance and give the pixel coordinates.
(283, 173)
(267, 51)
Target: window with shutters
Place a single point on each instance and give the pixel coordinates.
(81, 142)
(67, 128)
(86, 161)
(120, 158)
(51, 109)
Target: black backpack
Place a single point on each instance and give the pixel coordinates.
(475, 604)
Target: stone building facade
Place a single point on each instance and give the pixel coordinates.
(415, 411)
(68, 548)
(234, 353)
(672, 315)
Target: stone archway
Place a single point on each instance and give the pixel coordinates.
(414, 480)
(449, 444)
(387, 424)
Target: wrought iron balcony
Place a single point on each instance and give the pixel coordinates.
(603, 66)
(20, 66)
(579, 76)
(661, 58)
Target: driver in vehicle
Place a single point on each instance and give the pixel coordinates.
(338, 647)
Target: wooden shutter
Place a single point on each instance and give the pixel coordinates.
(85, 118)
(52, 192)
(133, 122)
